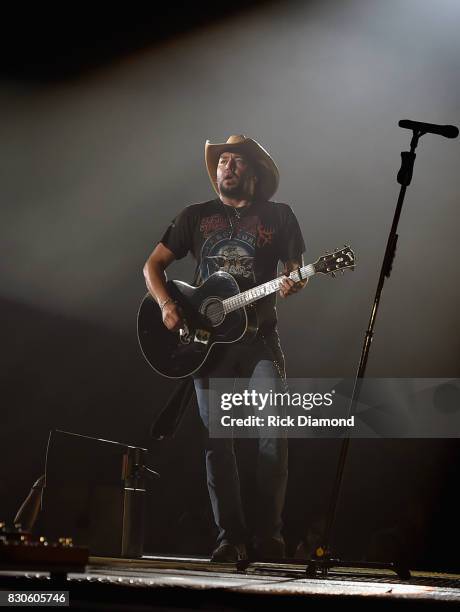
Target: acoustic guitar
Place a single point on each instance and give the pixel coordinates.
(215, 312)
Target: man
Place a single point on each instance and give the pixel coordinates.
(245, 234)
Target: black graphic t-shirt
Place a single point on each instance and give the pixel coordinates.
(247, 242)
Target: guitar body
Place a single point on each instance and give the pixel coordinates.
(180, 354)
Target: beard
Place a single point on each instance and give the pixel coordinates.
(235, 191)
(239, 190)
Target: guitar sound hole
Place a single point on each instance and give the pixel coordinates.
(213, 310)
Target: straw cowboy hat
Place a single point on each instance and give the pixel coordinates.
(267, 172)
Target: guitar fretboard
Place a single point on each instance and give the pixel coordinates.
(256, 293)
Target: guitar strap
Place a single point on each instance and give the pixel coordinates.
(167, 422)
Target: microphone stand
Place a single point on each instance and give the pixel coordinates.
(321, 560)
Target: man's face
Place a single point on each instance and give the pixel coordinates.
(235, 175)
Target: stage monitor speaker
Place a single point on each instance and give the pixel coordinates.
(94, 493)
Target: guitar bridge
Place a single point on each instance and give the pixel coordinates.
(202, 335)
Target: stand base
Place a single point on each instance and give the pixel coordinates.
(321, 567)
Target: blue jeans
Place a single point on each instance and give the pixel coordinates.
(262, 359)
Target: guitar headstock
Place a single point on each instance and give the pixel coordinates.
(340, 259)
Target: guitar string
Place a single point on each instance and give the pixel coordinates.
(241, 299)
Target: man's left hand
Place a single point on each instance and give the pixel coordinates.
(289, 287)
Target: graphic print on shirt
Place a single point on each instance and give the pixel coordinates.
(235, 255)
(232, 255)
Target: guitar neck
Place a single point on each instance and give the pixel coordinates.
(256, 293)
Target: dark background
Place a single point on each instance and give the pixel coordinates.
(104, 120)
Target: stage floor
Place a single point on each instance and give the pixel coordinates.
(184, 583)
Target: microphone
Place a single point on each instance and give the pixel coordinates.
(449, 131)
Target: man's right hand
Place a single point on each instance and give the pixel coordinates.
(172, 316)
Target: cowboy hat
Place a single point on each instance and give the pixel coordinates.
(267, 172)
